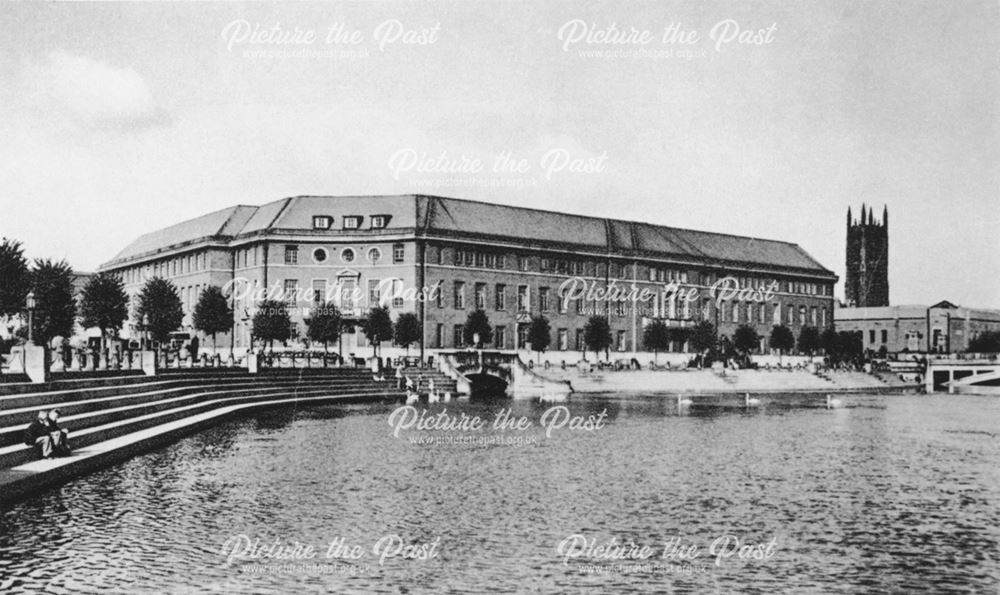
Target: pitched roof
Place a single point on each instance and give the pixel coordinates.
(465, 217)
(439, 216)
(216, 224)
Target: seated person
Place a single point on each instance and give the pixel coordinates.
(37, 435)
(60, 436)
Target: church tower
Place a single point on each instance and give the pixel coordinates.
(867, 282)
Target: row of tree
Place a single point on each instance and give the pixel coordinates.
(103, 303)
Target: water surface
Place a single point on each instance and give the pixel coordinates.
(897, 494)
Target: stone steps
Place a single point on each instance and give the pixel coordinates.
(100, 413)
(80, 413)
(21, 481)
(442, 382)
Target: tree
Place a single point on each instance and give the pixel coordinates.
(104, 303)
(271, 322)
(851, 344)
(809, 340)
(656, 337)
(539, 335)
(16, 280)
(986, 342)
(746, 339)
(781, 338)
(377, 326)
(324, 325)
(408, 330)
(477, 323)
(703, 338)
(212, 313)
(597, 335)
(55, 312)
(830, 342)
(161, 306)
(680, 336)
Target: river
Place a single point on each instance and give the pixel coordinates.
(888, 494)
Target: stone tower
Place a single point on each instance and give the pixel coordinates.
(867, 282)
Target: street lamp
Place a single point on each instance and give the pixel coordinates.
(145, 332)
(29, 301)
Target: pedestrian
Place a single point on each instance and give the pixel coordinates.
(37, 435)
(60, 436)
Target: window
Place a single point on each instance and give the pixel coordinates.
(815, 316)
(885, 336)
(319, 255)
(439, 335)
(379, 221)
(501, 297)
(560, 304)
(480, 296)
(440, 256)
(544, 266)
(319, 290)
(347, 255)
(522, 298)
(291, 287)
(398, 252)
(823, 318)
(621, 306)
(322, 222)
(480, 259)
(374, 255)
(352, 222)
(397, 293)
(374, 292)
(543, 299)
(439, 294)
(621, 341)
(459, 295)
(291, 255)
(522, 263)
(563, 335)
(871, 336)
(500, 337)
(802, 315)
(522, 336)
(579, 339)
(347, 287)
(457, 336)
(579, 305)
(459, 258)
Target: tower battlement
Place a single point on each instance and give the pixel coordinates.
(867, 280)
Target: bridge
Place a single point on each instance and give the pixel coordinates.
(501, 373)
(962, 375)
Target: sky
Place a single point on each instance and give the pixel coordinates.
(767, 120)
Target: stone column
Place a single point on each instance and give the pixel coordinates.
(36, 363)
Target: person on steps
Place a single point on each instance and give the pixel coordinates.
(60, 436)
(37, 435)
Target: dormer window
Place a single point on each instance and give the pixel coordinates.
(352, 222)
(322, 221)
(380, 221)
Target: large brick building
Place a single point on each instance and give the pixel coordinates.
(511, 262)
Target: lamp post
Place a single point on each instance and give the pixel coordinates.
(30, 303)
(145, 332)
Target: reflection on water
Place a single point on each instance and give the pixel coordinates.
(899, 494)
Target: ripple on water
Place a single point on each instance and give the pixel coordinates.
(897, 495)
